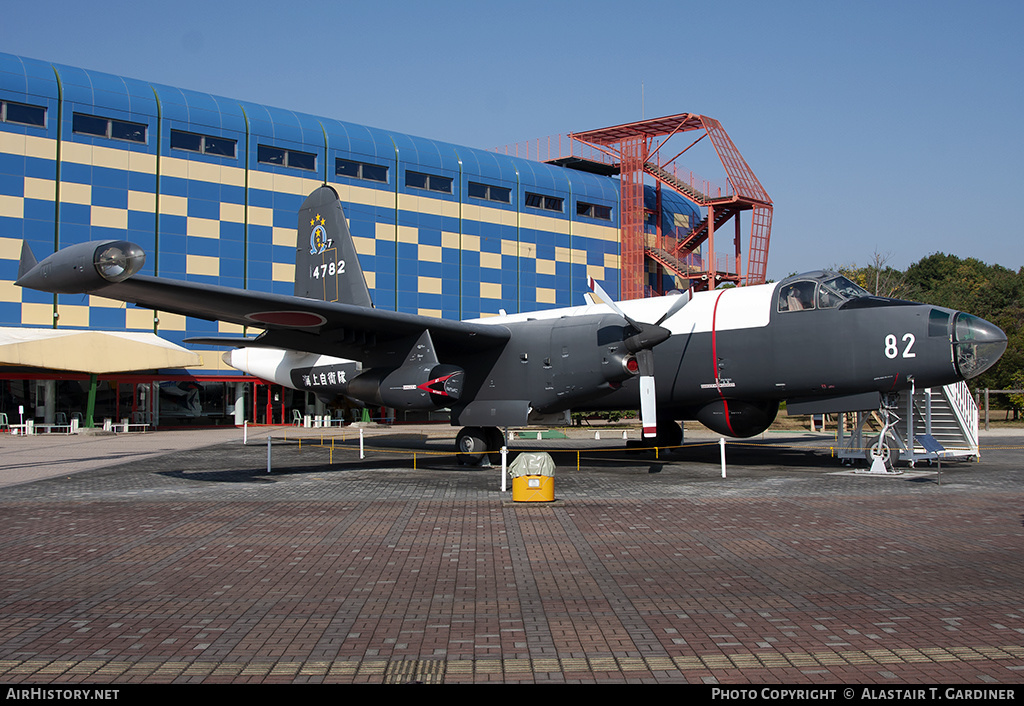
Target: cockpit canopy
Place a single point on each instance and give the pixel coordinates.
(822, 289)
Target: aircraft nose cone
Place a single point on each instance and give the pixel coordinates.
(977, 345)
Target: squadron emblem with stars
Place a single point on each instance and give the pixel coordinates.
(318, 240)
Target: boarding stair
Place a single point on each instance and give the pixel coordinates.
(948, 414)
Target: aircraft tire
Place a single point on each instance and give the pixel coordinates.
(472, 443)
(495, 440)
(890, 454)
(670, 433)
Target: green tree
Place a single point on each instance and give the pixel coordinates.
(1017, 400)
(877, 277)
(992, 292)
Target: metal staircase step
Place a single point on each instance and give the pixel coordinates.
(677, 184)
(945, 423)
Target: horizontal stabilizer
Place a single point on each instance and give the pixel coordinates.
(227, 341)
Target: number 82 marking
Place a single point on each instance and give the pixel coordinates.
(892, 350)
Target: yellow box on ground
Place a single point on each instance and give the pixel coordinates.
(527, 489)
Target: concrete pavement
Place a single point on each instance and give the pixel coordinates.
(175, 557)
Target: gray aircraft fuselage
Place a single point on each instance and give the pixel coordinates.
(726, 357)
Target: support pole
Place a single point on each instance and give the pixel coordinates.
(90, 405)
(49, 401)
(721, 443)
(239, 403)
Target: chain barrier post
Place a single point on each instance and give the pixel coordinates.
(721, 443)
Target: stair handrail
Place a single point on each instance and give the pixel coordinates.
(965, 409)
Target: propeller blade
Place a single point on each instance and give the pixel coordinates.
(648, 408)
(648, 398)
(599, 291)
(678, 304)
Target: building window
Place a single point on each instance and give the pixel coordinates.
(431, 182)
(548, 203)
(360, 170)
(108, 127)
(203, 144)
(490, 193)
(592, 210)
(22, 114)
(286, 158)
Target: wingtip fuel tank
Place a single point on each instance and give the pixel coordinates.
(84, 267)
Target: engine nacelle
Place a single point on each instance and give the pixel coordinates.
(422, 387)
(739, 418)
(85, 267)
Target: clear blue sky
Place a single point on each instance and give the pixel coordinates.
(875, 126)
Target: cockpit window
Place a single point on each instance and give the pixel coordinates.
(797, 296)
(827, 299)
(845, 288)
(830, 291)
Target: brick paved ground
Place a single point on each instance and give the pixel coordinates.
(185, 563)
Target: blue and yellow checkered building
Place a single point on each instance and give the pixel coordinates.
(209, 187)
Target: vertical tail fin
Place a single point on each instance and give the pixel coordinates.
(326, 262)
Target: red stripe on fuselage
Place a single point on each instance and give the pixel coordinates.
(714, 361)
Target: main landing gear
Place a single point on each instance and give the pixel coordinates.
(669, 434)
(474, 444)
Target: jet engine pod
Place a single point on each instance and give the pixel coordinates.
(85, 267)
(409, 387)
(739, 418)
(445, 384)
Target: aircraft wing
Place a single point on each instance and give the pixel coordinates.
(298, 323)
(342, 330)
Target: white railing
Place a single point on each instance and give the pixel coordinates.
(966, 410)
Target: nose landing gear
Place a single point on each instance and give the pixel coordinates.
(883, 454)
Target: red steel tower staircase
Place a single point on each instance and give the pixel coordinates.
(631, 147)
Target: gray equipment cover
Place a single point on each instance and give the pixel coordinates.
(532, 464)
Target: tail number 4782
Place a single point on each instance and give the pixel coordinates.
(328, 269)
(892, 348)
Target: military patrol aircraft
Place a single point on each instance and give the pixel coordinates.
(724, 357)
